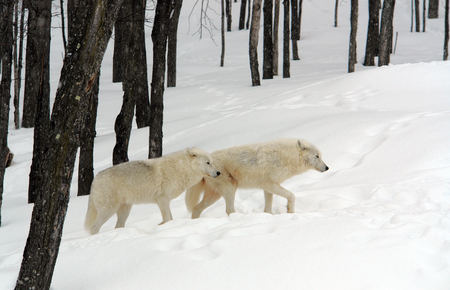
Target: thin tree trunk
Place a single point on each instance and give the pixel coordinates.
(372, 33)
(286, 61)
(38, 45)
(336, 6)
(386, 29)
(172, 44)
(77, 76)
(433, 9)
(424, 15)
(412, 15)
(268, 40)
(6, 43)
(417, 6)
(242, 14)
(300, 9)
(18, 57)
(295, 33)
(159, 38)
(446, 32)
(228, 11)
(276, 25)
(222, 55)
(354, 27)
(253, 42)
(63, 24)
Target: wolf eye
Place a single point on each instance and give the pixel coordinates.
(317, 156)
(208, 163)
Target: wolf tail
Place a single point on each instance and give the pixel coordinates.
(193, 195)
(91, 216)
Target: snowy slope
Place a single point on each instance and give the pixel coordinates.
(378, 219)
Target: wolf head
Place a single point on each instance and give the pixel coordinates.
(203, 161)
(311, 156)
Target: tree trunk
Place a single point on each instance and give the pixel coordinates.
(336, 6)
(268, 40)
(300, 5)
(253, 42)
(354, 27)
(433, 9)
(86, 162)
(424, 13)
(286, 62)
(6, 43)
(242, 14)
(122, 35)
(416, 4)
(77, 77)
(387, 17)
(247, 24)
(18, 60)
(446, 33)
(276, 25)
(159, 38)
(222, 55)
(372, 33)
(172, 44)
(38, 46)
(228, 11)
(295, 33)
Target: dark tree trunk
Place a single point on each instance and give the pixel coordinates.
(268, 40)
(77, 77)
(159, 38)
(386, 29)
(172, 44)
(424, 13)
(354, 27)
(446, 32)
(18, 60)
(6, 44)
(276, 25)
(228, 11)
(416, 5)
(253, 42)
(38, 47)
(286, 61)
(300, 8)
(122, 35)
(222, 55)
(247, 24)
(295, 33)
(242, 14)
(336, 6)
(433, 9)
(372, 33)
(86, 163)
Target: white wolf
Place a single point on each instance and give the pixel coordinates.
(261, 165)
(116, 189)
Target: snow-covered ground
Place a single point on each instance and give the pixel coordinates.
(378, 219)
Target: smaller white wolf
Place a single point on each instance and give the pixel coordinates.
(262, 165)
(116, 189)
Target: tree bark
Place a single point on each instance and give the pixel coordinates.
(253, 42)
(352, 59)
(300, 9)
(372, 33)
(172, 44)
(247, 24)
(268, 40)
(38, 47)
(336, 6)
(6, 43)
(18, 61)
(295, 33)
(276, 25)
(92, 30)
(228, 12)
(433, 9)
(417, 7)
(242, 14)
(286, 61)
(446, 32)
(424, 13)
(386, 29)
(222, 55)
(159, 38)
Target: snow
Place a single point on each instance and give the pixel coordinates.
(378, 219)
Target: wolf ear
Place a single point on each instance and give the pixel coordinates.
(300, 145)
(191, 151)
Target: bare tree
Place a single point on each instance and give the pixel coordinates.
(300, 9)
(253, 42)
(77, 76)
(276, 25)
(386, 32)
(336, 6)
(295, 29)
(372, 33)
(354, 27)
(6, 45)
(286, 32)
(247, 24)
(18, 58)
(228, 13)
(446, 37)
(242, 14)
(433, 9)
(424, 13)
(417, 7)
(222, 55)
(268, 40)
(172, 44)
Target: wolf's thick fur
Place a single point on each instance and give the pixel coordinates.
(261, 165)
(159, 180)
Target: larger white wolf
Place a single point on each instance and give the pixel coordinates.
(261, 165)
(116, 189)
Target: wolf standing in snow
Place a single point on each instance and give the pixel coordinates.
(261, 165)
(159, 180)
